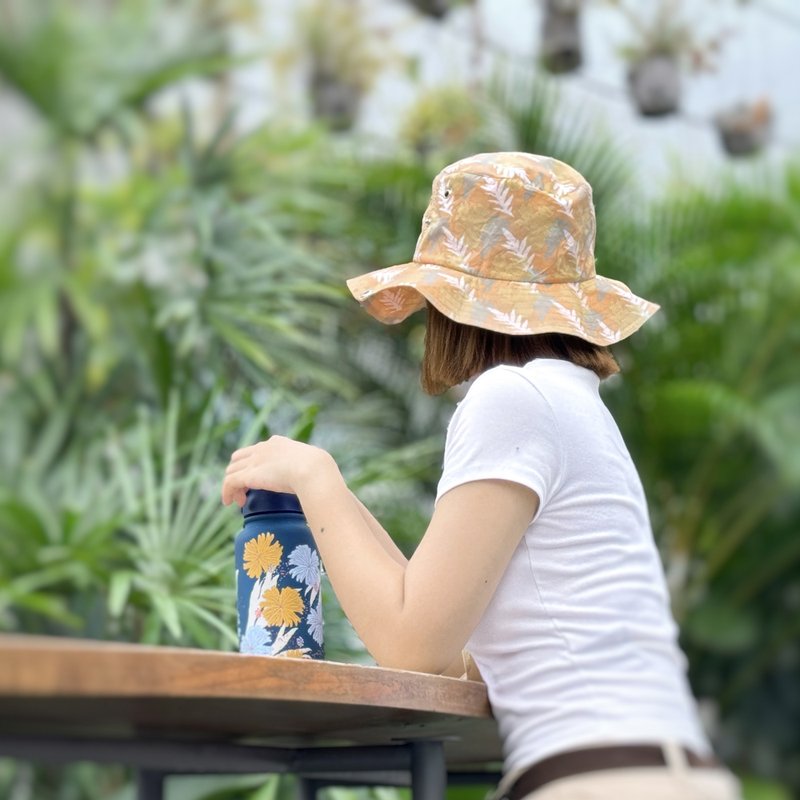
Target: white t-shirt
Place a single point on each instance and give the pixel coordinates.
(578, 646)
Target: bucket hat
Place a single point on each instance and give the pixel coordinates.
(507, 244)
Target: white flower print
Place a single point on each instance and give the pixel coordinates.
(315, 622)
(256, 641)
(305, 566)
(516, 172)
(569, 314)
(282, 639)
(458, 247)
(510, 318)
(387, 275)
(500, 194)
(445, 196)
(461, 284)
(613, 334)
(560, 192)
(391, 299)
(520, 248)
(460, 165)
(254, 615)
(572, 245)
(581, 295)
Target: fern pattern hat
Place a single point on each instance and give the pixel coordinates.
(507, 244)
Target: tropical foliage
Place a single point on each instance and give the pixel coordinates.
(171, 289)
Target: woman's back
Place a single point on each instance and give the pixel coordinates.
(539, 556)
(578, 646)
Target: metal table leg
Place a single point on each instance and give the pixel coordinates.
(428, 771)
(149, 785)
(307, 788)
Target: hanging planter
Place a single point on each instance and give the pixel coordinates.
(431, 8)
(665, 43)
(745, 129)
(449, 122)
(342, 60)
(437, 9)
(655, 85)
(334, 100)
(561, 49)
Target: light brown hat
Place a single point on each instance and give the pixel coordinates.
(507, 244)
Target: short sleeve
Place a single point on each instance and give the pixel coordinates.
(503, 429)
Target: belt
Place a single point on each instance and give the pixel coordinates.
(590, 759)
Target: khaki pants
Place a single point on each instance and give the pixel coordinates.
(676, 781)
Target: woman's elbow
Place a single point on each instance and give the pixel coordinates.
(412, 655)
(415, 662)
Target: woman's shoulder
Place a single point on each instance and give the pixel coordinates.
(547, 387)
(502, 387)
(547, 378)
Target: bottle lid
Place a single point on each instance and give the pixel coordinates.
(260, 501)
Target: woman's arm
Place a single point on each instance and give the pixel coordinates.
(380, 533)
(416, 615)
(457, 668)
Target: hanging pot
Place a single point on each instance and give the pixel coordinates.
(745, 128)
(432, 8)
(561, 36)
(655, 83)
(334, 100)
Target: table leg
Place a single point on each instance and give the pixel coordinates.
(307, 788)
(428, 771)
(149, 785)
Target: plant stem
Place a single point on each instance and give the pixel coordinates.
(67, 220)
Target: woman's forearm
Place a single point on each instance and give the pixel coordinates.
(380, 533)
(366, 575)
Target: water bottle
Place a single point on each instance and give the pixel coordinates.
(278, 579)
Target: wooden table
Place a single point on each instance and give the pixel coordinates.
(167, 710)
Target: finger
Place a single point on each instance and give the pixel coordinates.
(237, 466)
(230, 489)
(242, 452)
(237, 484)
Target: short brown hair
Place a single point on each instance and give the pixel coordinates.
(455, 352)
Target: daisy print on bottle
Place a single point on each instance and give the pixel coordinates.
(278, 579)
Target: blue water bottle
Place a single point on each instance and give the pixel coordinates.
(278, 579)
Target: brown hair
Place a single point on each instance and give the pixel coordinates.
(456, 352)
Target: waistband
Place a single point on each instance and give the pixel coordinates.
(590, 759)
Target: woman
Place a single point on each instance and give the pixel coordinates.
(539, 559)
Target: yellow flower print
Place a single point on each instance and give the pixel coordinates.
(282, 606)
(261, 554)
(301, 653)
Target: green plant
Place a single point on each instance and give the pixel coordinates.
(668, 31)
(709, 401)
(450, 121)
(193, 299)
(344, 59)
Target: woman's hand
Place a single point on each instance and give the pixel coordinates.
(277, 464)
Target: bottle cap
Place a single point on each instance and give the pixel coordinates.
(260, 501)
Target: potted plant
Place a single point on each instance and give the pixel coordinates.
(342, 60)
(665, 44)
(562, 49)
(436, 8)
(745, 128)
(432, 8)
(449, 122)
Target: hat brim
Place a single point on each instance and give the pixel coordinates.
(600, 310)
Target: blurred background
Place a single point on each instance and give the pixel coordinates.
(185, 187)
